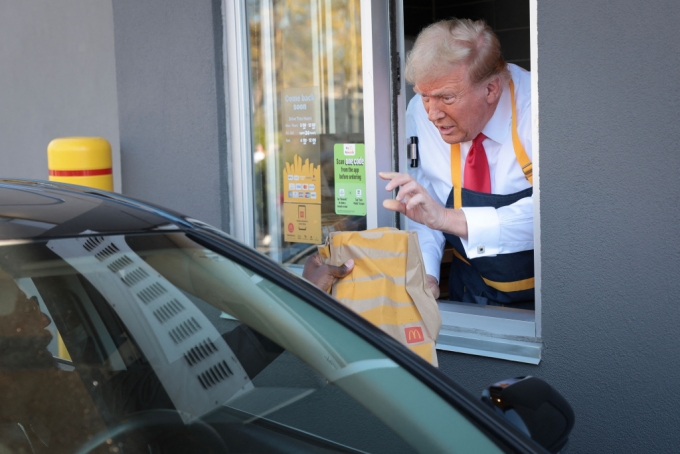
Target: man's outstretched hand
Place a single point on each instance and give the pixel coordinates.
(323, 275)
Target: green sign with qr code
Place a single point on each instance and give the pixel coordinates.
(350, 179)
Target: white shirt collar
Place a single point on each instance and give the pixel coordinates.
(498, 127)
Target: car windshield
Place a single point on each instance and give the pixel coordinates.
(155, 343)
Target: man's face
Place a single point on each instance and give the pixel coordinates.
(458, 108)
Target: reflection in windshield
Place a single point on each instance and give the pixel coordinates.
(166, 324)
(33, 390)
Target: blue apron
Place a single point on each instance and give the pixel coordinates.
(497, 281)
(503, 280)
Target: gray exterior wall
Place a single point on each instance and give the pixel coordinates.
(609, 167)
(57, 79)
(171, 99)
(609, 186)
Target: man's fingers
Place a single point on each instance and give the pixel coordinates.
(396, 179)
(312, 263)
(411, 188)
(400, 180)
(388, 175)
(346, 268)
(418, 199)
(314, 260)
(342, 270)
(394, 205)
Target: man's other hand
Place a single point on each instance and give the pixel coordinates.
(433, 285)
(417, 204)
(413, 201)
(323, 275)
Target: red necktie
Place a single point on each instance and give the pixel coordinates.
(476, 176)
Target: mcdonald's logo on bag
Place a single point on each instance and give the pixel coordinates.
(414, 334)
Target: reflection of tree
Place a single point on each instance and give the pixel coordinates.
(315, 43)
(257, 96)
(303, 67)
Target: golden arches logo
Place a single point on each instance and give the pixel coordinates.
(414, 334)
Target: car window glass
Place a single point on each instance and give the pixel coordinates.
(175, 347)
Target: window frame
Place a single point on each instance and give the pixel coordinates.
(509, 334)
(235, 61)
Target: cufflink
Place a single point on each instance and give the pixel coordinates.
(480, 249)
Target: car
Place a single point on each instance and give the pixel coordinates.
(126, 327)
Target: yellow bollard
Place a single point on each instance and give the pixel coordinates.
(85, 161)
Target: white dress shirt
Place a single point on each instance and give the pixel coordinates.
(493, 231)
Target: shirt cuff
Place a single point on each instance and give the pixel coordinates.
(433, 263)
(484, 232)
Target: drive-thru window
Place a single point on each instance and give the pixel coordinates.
(317, 103)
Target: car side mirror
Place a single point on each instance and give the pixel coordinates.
(535, 408)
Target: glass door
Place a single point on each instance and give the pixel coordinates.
(306, 101)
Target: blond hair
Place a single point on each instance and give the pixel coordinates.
(445, 44)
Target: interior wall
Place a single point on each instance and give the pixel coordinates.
(171, 104)
(509, 19)
(610, 245)
(57, 79)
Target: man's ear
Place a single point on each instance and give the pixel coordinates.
(493, 90)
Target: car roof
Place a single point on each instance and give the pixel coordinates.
(33, 209)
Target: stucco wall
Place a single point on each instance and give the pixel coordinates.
(168, 63)
(57, 78)
(609, 167)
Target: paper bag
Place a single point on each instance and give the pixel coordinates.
(387, 285)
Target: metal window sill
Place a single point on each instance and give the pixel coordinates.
(494, 332)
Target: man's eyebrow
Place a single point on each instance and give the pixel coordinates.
(436, 93)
